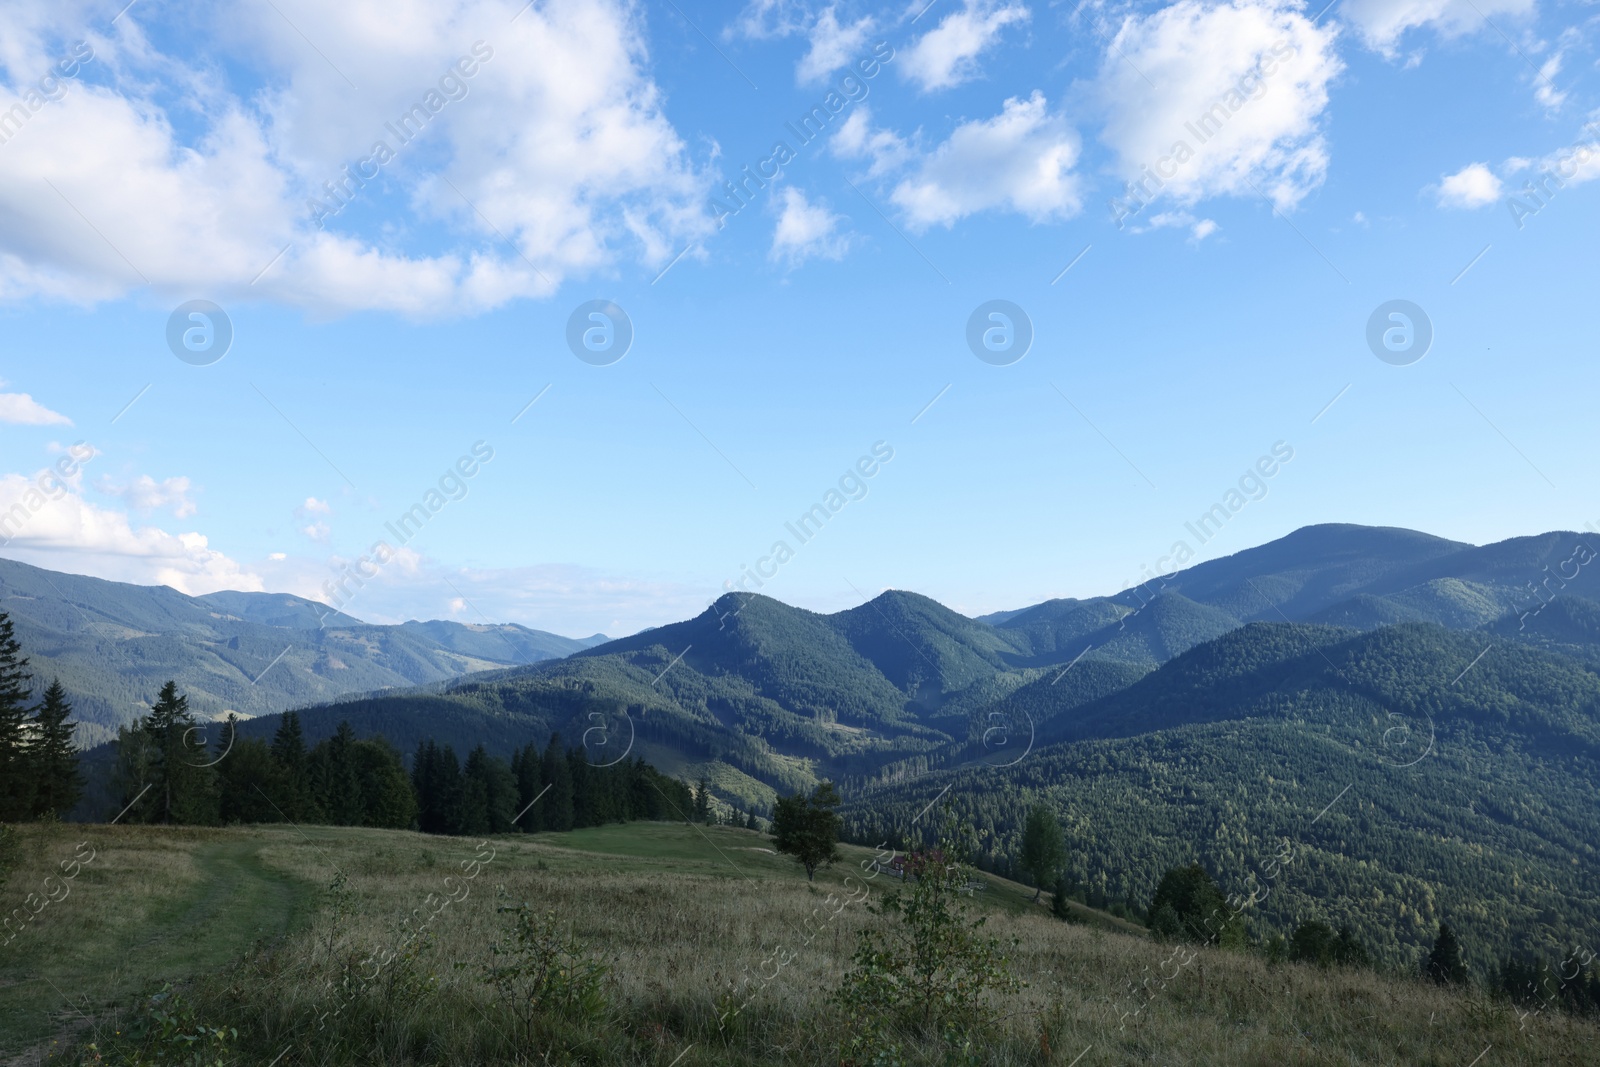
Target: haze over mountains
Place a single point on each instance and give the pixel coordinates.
(114, 644)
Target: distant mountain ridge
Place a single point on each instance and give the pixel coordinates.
(114, 644)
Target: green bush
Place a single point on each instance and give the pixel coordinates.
(545, 970)
(927, 973)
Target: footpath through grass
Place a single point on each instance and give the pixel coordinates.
(143, 905)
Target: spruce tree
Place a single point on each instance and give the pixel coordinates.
(557, 803)
(702, 801)
(16, 775)
(57, 782)
(530, 780)
(336, 759)
(1444, 962)
(294, 794)
(182, 780)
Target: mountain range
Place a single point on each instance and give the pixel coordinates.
(113, 645)
(1414, 720)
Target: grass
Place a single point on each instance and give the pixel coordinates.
(242, 921)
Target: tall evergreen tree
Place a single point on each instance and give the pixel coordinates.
(1444, 962)
(293, 794)
(16, 777)
(57, 782)
(702, 800)
(181, 778)
(337, 769)
(528, 769)
(557, 803)
(387, 799)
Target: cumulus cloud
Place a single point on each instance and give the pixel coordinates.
(1545, 91)
(20, 409)
(553, 160)
(1206, 100)
(1381, 23)
(1474, 185)
(806, 230)
(856, 139)
(834, 45)
(948, 54)
(313, 506)
(50, 524)
(1020, 160)
(145, 494)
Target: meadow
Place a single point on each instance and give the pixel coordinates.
(695, 945)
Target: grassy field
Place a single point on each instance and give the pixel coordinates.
(274, 932)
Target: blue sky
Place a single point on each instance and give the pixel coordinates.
(1368, 152)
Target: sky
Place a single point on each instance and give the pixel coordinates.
(569, 314)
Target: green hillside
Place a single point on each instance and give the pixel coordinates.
(1467, 797)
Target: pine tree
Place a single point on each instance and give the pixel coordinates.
(340, 776)
(181, 777)
(387, 799)
(702, 801)
(1043, 851)
(528, 770)
(57, 782)
(1444, 962)
(16, 777)
(294, 794)
(557, 803)
(475, 790)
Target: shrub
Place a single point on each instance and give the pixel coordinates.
(927, 972)
(545, 970)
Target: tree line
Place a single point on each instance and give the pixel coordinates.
(168, 772)
(39, 775)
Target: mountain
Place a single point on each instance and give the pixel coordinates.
(1337, 574)
(114, 644)
(1388, 779)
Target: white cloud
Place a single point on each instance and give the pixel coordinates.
(1546, 92)
(57, 528)
(561, 598)
(1381, 23)
(319, 532)
(806, 230)
(1199, 229)
(1204, 100)
(145, 494)
(948, 54)
(833, 46)
(1021, 160)
(20, 409)
(313, 506)
(559, 143)
(1474, 185)
(856, 139)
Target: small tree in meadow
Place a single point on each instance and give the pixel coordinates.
(807, 828)
(927, 970)
(1043, 850)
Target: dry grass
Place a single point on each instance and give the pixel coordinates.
(679, 916)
